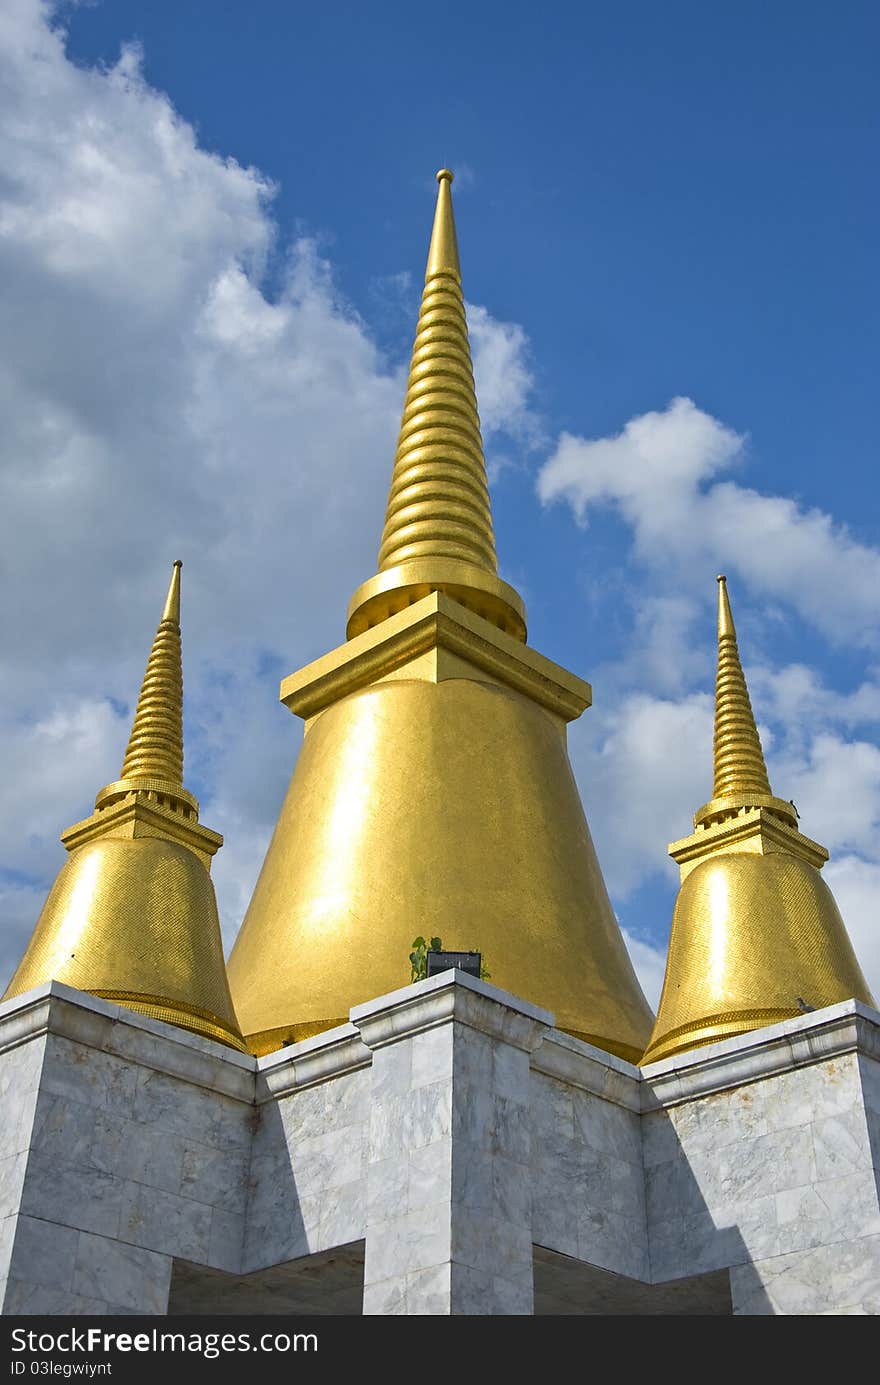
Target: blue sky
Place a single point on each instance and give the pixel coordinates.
(654, 203)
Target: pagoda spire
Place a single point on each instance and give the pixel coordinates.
(439, 501)
(433, 782)
(756, 933)
(740, 779)
(739, 759)
(132, 915)
(155, 747)
(438, 533)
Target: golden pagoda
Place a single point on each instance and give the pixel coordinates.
(132, 916)
(433, 793)
(756, 934)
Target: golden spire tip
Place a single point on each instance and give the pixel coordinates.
(443, 252)
(439, 502)
(739, 759)
(725, 615)
(155, 748)
(171, 609)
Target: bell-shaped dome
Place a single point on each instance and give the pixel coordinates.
(429, 808)
(755, 939)
(433, 793)
(132, 915)
(112, 926)
(756, 935)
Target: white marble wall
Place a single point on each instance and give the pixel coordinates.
(769, 1174)
(587, 1175)
(491, 1177)
(869, 1072)
(138, 1150)
(307, 1188)
(20, 1065)
(409, 1177)
(451, 1129)
(828, 1280)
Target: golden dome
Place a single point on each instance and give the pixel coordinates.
(755, 939)
(433, 792)
(132, 915)
(756, 935)
(445, 808)
(135, 921)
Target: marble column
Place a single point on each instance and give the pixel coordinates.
(448, 1175)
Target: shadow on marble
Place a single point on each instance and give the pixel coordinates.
(707, 1209)
(306, 1184)
(774, 1180)
(331, 1282)
(567, 1287)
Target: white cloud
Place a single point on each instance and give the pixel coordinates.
(855, 884)
(20, 905)
(836, 786)
(72, 744)
(648, 468)
(502, 375)
(665, 652)
(644, 765)
(661, 472)
(650, 966)
(796, 695)
(646, 772)
(157, 401)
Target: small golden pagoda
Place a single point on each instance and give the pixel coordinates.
(132, 915)
(756, 934)
(433, 793)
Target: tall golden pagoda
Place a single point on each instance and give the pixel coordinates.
(132, 915)
(756, 934)
(433, 793)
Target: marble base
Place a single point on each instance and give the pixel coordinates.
(447, 1151)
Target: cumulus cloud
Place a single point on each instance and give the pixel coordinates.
(20, 905)
(177, 382)
(836, 786)
(643, 771)
(502, 375)
(664, 474)
(650, 966)
(645, 768)
(174, 382)
(855, 883)
(799, 698)
(644, 765)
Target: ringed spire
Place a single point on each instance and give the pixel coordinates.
(438, 533)
(738, 760)
(433, 783)
(155, 746)
(132, 915)
(756, 933)
(439, 501)
(740, 778)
